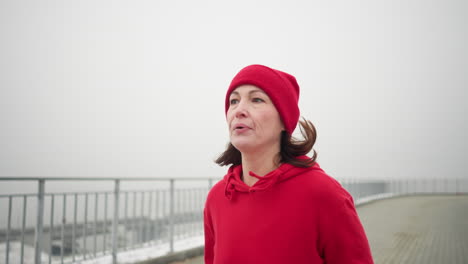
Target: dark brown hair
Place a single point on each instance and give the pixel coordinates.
(291, 148)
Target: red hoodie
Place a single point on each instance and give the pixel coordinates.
(291, 215)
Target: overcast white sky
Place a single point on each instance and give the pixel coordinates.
(136, 88)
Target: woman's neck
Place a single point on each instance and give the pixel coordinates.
(258, 163)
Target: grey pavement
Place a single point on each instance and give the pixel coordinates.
(413, 229)
(418, 229)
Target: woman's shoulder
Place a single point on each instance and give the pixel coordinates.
(216, 190)
(320, 185)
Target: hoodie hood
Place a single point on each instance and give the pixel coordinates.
(284, 172)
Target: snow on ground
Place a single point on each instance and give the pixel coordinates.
(149, 252)
(134, 255)
(15, 253)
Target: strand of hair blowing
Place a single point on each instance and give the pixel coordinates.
(291, 148)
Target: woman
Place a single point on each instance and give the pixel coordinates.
(276, 205)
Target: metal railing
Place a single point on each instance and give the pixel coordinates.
(66, 227)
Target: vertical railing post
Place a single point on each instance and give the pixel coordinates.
(142, 218)
(39, 222)
(7, 253)
(23, 227)
(51, 226)
(134, 221)
(62, 231)
(75, 213)
(126, 225)
(171, 215)
(104, 227)
(85, 226)
(96, 207)
(148, 227)
(115, 221)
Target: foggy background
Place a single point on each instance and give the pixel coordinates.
(136, 88)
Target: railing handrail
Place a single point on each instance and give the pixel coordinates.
(77, 178)
(100, 192)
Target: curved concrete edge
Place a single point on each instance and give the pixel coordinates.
(373, 198)
(369, 199)
(176, 256)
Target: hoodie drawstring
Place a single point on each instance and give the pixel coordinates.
(234, 183)
(230, 187)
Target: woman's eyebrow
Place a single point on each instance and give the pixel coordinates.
(257, 90)
(250, 92)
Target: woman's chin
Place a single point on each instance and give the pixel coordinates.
(244, 145)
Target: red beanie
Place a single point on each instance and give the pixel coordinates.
(281, 87)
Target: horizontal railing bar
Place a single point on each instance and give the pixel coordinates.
(102, 179)
(18, 195)
(52, 193)
(99, 192)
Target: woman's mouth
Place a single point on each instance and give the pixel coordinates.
(241, 128)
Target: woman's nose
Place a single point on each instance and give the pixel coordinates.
(241, 110)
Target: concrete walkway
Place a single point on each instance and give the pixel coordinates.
(414, 229)
(418, 229)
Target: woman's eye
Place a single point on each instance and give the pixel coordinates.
(233, 101)
(258, 100)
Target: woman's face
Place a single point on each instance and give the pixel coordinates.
(254, 123)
